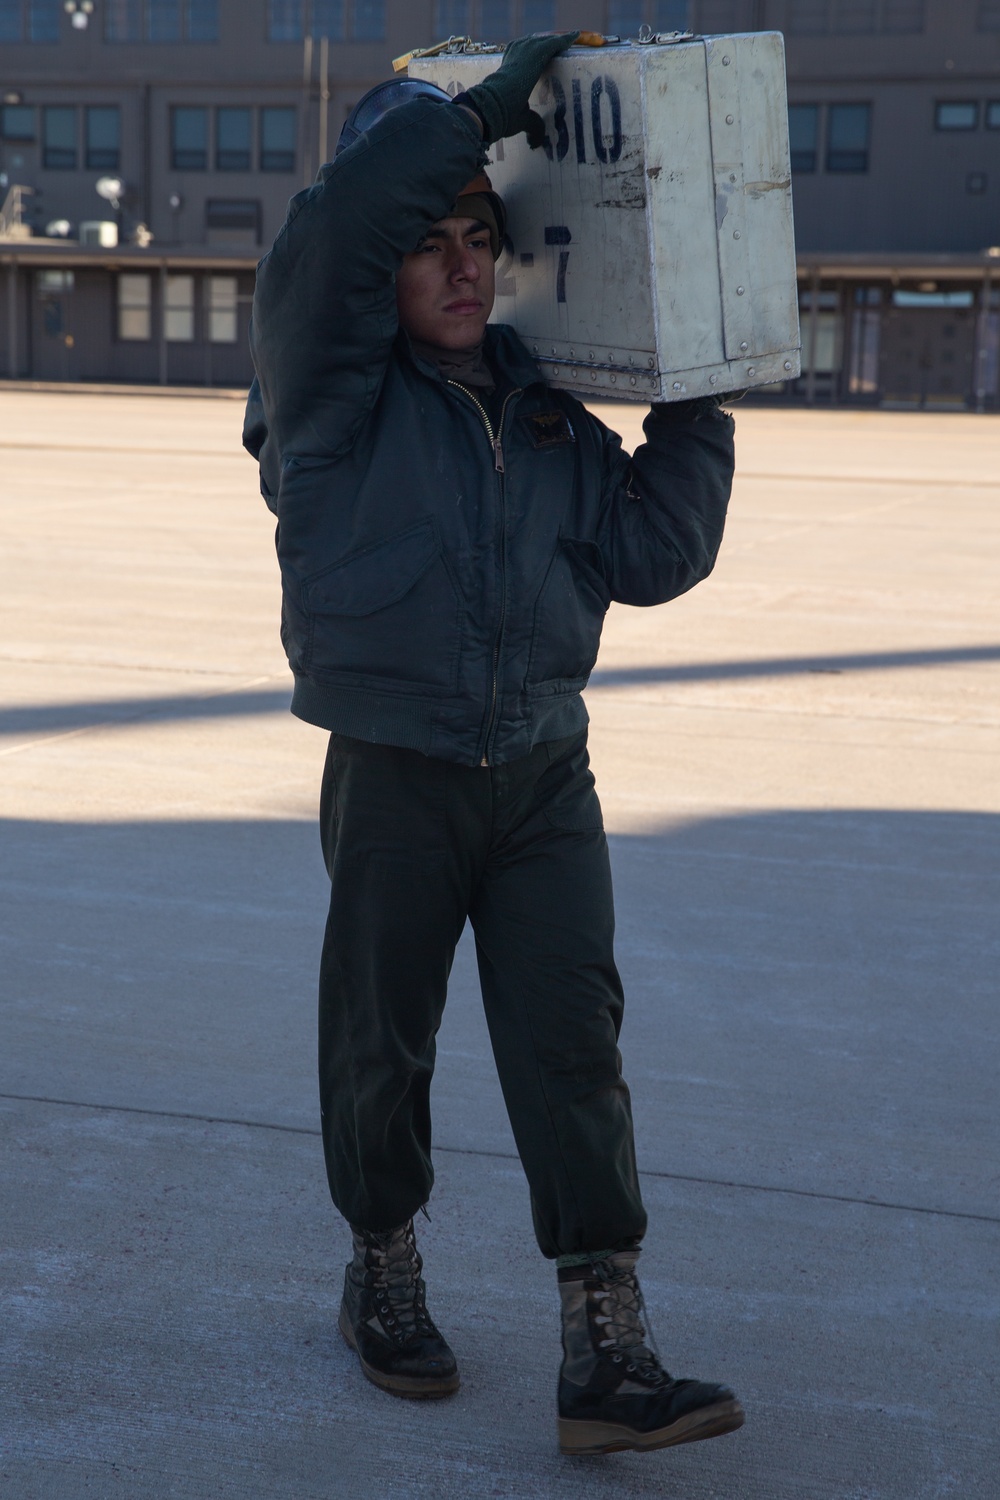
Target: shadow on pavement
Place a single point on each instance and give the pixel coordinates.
(811, 1026)
(51, 718)
(33, 718)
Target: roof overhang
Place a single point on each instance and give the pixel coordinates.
(58, 255)
(928, 267)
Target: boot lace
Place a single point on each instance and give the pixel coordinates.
(392, 1272)
(620, 1314)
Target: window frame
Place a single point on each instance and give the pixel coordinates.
(353, 25)
(297, 21)
(335, 33)
(215, 311)
(143, 305)
(91, 152)
(806, 104)
(176, 110)
(220, 149)
(48, 165)
(131, 12)
(178, 313)
(943, 104)
(832, 151)
(53, 11)
(288, 163)
(27, 109)
(216, 207)
(190, 27)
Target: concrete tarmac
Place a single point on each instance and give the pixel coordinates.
(799, 768)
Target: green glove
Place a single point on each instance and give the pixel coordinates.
(501, 100)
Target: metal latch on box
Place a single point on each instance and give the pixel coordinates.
(662, 38)
(466, 47)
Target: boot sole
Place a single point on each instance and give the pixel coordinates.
(414, 1387)
(610, 1437)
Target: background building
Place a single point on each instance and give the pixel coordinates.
(211, 113)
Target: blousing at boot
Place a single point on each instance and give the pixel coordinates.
(451, 533)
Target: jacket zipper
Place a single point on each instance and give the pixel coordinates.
(496, 442)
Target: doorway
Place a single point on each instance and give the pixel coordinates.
(928, 348)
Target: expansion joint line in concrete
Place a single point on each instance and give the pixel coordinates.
(723, 1182)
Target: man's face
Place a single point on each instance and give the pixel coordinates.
(445, 289)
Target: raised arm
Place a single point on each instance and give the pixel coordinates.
(324, 313)
(665, 509)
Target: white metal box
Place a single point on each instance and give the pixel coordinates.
(650, 251)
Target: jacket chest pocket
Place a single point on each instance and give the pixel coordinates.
(387, 615)
(569, 616)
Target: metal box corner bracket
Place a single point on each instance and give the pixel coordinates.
(650, 254)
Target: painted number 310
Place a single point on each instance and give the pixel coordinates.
(607, 144)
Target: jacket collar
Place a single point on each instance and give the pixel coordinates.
(502, 348)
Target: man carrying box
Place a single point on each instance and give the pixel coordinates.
(450, 534)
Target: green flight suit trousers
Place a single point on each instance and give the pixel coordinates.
(414, 847)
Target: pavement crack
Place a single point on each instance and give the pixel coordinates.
(306, 1130)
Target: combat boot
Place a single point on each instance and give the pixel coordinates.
(613, 1391)
(385, 1320)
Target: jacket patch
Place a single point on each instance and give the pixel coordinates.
(548, 428)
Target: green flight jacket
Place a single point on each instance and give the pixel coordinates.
(445, 580)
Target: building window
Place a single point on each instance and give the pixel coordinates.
(29, 20)
(10, 21)
(222, 305)
(202, 20)
(808, 17)
(17, 122)
(720, 15)
(328, 19)
(803, 136)
(163, 20)
(189, 138)
(451, 18)
(848, 131)
(866, 327)
(369, 21)
(59, 137)
(821, 325)
(103, 138)
(54, 282)
(135, 303)
(277, 140)
(495, 24)
(285, 20)
(853, 17)
(901, 16)
(625, 17)
(955, 115)
(122, 20)
(672, 15)
(233, 140)
(232, 221)
(993, 115)
(178, 310)
(917, 297)
(43, 20)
